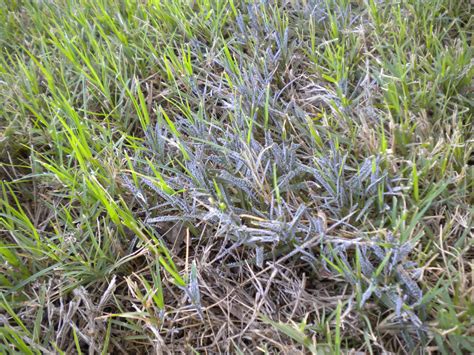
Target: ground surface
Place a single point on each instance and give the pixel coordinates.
(228, 176)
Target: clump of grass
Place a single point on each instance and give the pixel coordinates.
(225, 176)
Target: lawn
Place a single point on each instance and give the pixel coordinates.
(229, 176)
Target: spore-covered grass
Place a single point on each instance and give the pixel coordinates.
(236, 176)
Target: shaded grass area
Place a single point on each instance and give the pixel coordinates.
(229, 176)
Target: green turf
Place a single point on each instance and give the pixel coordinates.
(234, 176)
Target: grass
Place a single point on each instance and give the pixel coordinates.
(230, 176)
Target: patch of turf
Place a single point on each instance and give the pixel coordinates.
(232, 176)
